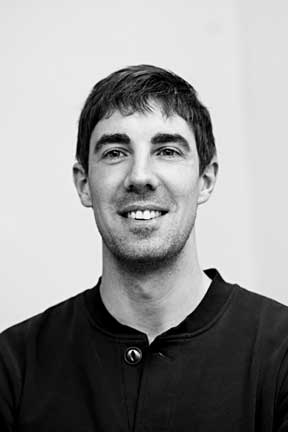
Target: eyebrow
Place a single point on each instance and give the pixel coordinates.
(164, 138)
(111, 139)
(160, 138)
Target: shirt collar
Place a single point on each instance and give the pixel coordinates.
(205, 314)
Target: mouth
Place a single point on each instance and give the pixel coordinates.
(143, 214)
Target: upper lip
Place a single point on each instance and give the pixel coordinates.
(142, 207)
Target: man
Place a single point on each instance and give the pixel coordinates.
(157, 344)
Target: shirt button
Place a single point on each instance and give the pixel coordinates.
(133, 355)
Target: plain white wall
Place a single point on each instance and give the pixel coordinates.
(264, 31)
(52, 54)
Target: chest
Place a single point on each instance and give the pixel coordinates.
(195, 384)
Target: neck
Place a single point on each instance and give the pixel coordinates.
(154, 300)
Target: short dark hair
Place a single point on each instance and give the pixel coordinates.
(131, 90)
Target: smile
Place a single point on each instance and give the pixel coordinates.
(143, 214)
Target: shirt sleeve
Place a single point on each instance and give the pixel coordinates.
(281, 406)
(9, 384)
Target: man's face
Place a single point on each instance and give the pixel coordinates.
(143, 184)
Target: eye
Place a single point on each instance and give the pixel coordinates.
(113, 154)
(169, 152)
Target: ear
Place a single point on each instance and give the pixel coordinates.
(207, 181)
(81, 183)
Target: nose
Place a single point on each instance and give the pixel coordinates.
(141, 176)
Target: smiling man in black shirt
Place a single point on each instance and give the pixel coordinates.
(158, 344)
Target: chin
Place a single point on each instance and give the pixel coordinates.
(147, 253)
(146, 258)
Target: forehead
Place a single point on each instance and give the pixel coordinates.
(143, 125)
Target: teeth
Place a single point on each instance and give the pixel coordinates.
(139, 214)
(145, 215)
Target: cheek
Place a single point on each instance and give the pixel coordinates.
(104, 185)
(184, 184)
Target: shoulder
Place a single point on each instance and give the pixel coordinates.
(264, 319)
(54, 322)
(247, 298)
(255, 313)
(265, 308)
(34, 344)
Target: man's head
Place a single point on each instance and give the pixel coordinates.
(131, 90)
(146, 160)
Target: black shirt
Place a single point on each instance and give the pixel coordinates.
(76, 368)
